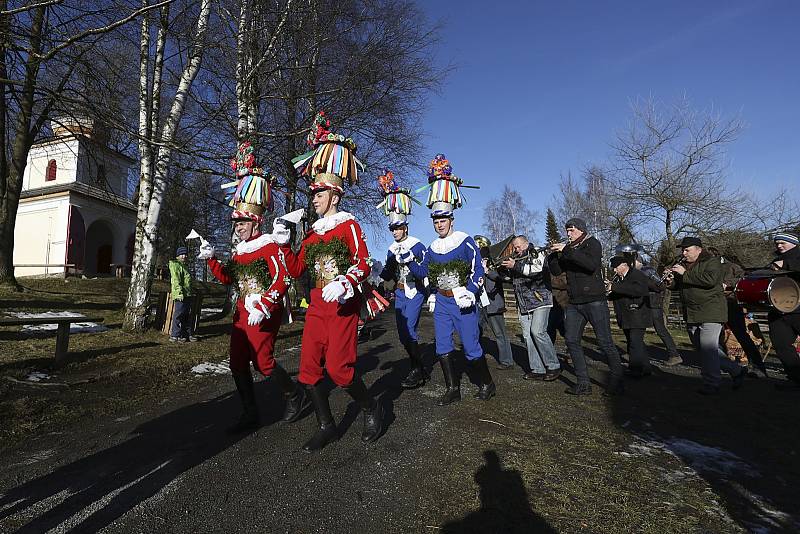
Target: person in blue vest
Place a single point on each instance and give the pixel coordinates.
(453, 265)
(410, 291)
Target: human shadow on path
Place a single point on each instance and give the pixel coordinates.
(103, 486)
(505, 507)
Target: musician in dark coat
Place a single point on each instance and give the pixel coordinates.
(629, 292)
(699, 279)
(655, 303)
(785, 327)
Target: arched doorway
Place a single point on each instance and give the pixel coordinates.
(76, 239)
(99, 248)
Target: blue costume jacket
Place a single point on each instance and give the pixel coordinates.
(447, 316)
(409, 299)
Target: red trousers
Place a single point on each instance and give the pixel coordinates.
(254, 343)
(330, 337)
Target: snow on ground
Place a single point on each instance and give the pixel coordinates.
(208, 368)
(699, 458)
(74, 328)
(207, 312)
(37, 376)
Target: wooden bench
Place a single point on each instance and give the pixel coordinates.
(62, 334)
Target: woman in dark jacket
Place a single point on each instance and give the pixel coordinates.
(629, 291)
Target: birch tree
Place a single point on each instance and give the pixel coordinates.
(509, 214)
(160, 143)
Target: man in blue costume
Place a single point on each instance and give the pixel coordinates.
(410, 291)
(453, 265)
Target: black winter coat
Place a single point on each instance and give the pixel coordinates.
(583, 265)
(629, 295)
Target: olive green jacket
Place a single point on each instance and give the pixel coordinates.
(181, 280)
(701, 291)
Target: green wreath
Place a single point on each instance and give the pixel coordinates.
(256, 270)
(460, 267)
(335, 249)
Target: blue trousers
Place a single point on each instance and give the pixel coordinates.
(406, 313)
(449, 318)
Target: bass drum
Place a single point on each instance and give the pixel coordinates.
(781, 293)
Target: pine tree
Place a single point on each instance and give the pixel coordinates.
(551, 230)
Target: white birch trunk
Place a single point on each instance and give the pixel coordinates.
(141, 276)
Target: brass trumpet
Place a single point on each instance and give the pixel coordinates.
(669, 273)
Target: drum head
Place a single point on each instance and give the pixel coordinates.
(784, 294)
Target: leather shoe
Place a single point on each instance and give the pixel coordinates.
(486, 391)
(552, 374)
(534, 376)
(579, 389)
(504, 366)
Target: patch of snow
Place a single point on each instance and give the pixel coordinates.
(206, 312)
(37, 376)
(208, 368)
(74, 328)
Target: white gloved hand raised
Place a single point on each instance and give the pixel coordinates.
(464, 297)
(256, 310)
(206, 250)
(432, 302)
(280, 232)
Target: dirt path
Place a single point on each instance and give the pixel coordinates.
(660, 459)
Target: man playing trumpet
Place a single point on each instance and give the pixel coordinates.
(705, 311)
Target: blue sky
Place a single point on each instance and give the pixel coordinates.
(539, 88)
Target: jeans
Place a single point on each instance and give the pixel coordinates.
(636, 350)
(541, 352)
(497, 324)
(596, 313)
(705, 338)
(663, 333)
(181, 325)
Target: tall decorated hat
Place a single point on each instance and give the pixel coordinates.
(332, 161)
(396, 203)
(444, 195)
(252, 196)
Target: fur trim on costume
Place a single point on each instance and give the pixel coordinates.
(253, 244)
(443, 245)
(406, 244)
(326, 224)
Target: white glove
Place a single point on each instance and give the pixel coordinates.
(257, 312)
(333, 291)
(431, 303)
(280, 232)
(464, 297)
(405, 257)
(206, 250)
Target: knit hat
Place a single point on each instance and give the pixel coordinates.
(181, 251)
(786, 236)
(576, 222)
(396, 201)
(332, 159)
(253, 194)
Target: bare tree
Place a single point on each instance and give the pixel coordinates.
(669, 168)
(42, 47)
(509, 214)
(153, 179)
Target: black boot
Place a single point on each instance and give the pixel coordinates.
(451, 379)
(327, 432)
(373, 411)
(294, 394)
(416, 377)
(486, 388)
(249, 419)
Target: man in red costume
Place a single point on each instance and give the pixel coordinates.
(259, 273)
(335, 252)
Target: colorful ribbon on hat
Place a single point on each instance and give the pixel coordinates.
(444, 191)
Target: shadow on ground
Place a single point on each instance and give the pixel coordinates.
(98, 489)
